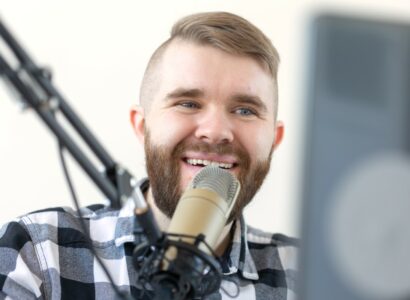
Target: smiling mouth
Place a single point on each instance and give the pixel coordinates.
(205, 162)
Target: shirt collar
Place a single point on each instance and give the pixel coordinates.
(127, 228)
(238, 258)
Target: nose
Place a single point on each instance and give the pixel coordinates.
(214, 127)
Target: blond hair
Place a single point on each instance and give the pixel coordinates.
(226, 31)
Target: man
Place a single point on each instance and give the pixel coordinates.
(209, 96)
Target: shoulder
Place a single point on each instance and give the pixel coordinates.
(275, 256)
(13, 235)
(39, 243)
(265, 244)
(258, 236)
(44, 224)
(53, 214)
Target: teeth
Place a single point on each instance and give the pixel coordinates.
(205, 162)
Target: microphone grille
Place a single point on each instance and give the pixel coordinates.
(218, 180)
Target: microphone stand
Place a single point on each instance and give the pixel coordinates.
(34, 87)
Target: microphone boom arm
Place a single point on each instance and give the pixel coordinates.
(34, 86)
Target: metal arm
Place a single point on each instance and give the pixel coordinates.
(35, 88)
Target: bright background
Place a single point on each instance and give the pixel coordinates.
(98, 51)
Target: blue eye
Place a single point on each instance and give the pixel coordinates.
(245, 112)
(188, 104)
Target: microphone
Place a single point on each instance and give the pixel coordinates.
(197, 224)
(205, 206)
(183, 265)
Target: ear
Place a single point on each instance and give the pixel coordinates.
(137, 118)
(279, 132)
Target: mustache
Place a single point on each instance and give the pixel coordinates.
(220, 149)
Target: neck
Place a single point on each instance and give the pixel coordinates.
(162, 220)
(163, 223)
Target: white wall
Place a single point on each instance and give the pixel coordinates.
(98, 51)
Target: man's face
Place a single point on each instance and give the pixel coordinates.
(209, 107)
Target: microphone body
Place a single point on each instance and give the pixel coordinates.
(200, 211)
(205, 206)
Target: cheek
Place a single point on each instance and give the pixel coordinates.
(168, 130)
(258, 142)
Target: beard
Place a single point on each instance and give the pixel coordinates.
(164, 172)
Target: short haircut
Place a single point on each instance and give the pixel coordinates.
(226, 31)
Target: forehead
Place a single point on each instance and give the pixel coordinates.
(186, 65)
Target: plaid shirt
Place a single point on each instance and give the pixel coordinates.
(44, 255)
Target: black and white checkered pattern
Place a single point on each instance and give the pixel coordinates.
(44, 255)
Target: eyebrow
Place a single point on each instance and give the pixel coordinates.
(185, 93)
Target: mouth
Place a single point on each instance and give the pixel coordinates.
(194, 162)
(206, 162)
